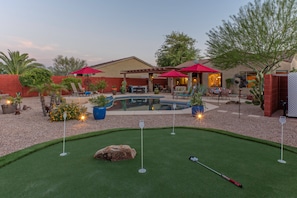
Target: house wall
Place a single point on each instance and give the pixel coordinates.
(114, 69)
(284, 66)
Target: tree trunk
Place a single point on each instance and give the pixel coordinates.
(52, 102)
(42, 100)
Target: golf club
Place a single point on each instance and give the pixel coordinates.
(195, 159)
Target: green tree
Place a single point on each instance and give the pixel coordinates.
(38, 79)
(177, 48)
(64, 65)
(16, 63)
(66, 82)
(259, 37)
(36, 76)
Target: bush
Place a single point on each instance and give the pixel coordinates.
(99, 101)
(36, 76)
(66, 82)
(74, 111)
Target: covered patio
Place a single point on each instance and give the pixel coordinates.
(150, 72)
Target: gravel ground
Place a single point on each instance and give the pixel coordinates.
(31, 127)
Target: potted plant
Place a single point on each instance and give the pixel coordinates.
(12, 104)
(197, 103)
(123, 87)
(99, 110)
(114, 90)
(102, 84)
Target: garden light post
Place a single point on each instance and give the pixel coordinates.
(141, 125)
(64, 116)
(173, 122)
(282, 120)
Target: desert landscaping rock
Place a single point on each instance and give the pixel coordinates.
(116, 153)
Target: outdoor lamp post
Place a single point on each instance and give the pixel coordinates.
(64, 116)
(282, 120)
(173, 122)
(141, 125)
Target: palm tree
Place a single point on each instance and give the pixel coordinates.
(41, 89)
(54, 91)
(17, 63)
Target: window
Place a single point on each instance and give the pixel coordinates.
(248, 76)
(215, 80)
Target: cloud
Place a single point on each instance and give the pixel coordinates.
(30, 45)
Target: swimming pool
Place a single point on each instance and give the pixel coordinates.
(145, 103)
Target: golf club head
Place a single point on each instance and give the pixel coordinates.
(193, 159)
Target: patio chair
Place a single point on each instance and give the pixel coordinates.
(81, 88)
(179, 90)
(225, 93)
(76, 92)
(187, 94)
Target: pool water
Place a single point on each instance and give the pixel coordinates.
(145, 104)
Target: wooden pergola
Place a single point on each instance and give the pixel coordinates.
(150, 72)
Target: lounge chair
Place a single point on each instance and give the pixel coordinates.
(76, 92)
(187, 94)
(179, 90)
(81, 89)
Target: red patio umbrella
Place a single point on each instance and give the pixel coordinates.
(198, 68)
(173, 74)
(86, 70)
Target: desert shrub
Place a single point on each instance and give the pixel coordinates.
(101, 85)
(74, 112)
(36, 76)
(66, 82)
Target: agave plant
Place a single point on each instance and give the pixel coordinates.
(258, 89)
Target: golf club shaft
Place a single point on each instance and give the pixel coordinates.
(220, 174)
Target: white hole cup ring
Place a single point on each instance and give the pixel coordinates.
(141, 124)
(282, 119)
(65, 115)
(174, 106)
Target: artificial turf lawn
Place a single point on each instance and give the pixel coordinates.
(169, 172)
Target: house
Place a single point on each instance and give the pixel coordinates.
(115, 68)
(219, 79)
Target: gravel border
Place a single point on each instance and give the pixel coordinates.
(31, 127)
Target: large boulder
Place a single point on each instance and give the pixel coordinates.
(116, 153)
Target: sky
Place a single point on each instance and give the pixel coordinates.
(104, 30)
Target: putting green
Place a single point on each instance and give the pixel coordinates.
(169, 171)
